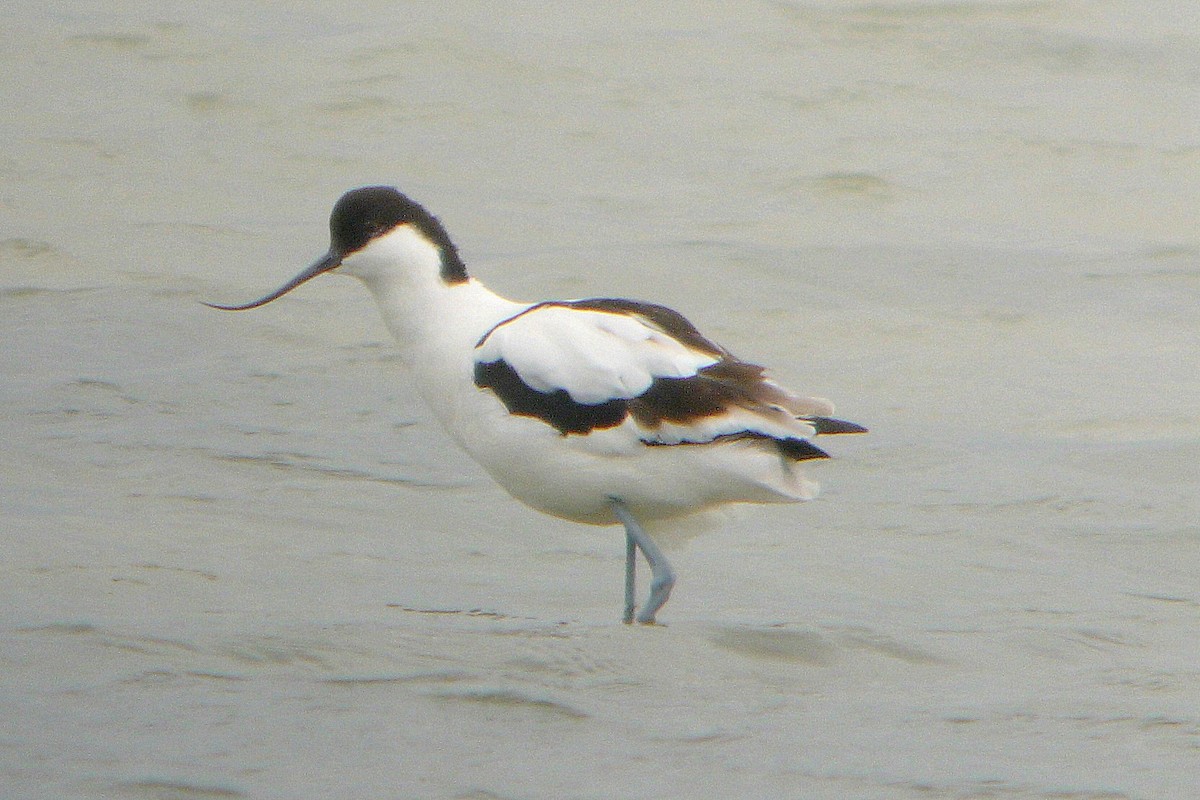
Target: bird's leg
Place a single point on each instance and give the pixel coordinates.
(630, 578)
(662, 577)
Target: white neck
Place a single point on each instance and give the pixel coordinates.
(436, 323)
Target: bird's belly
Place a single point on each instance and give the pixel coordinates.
(574, 476)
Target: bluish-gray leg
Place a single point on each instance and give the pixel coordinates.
(630, 577)
(662, 577)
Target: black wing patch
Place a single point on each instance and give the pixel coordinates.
(667, 400)
(712, 390)
(668, 320)
(554, 408)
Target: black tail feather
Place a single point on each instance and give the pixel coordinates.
(829, 425)
(799, 449)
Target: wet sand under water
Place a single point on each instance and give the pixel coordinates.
(239, 560)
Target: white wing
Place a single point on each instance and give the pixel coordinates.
(594, 356)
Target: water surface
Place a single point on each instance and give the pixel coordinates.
(239, 559)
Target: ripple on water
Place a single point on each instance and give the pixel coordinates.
(777, 644)
(505, 698)
(160, 789)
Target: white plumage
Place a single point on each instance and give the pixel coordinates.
(598, 411)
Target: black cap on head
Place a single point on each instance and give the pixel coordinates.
(361, 215)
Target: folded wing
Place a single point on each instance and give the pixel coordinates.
(595, 364)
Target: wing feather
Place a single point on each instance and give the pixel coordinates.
(593, 356)
(595, 364)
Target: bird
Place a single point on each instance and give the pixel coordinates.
(604, 411)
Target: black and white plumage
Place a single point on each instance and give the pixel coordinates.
(600, 411)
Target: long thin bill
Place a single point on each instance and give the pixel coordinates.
(324, 264)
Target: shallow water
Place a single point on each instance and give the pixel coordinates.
(239, 560)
